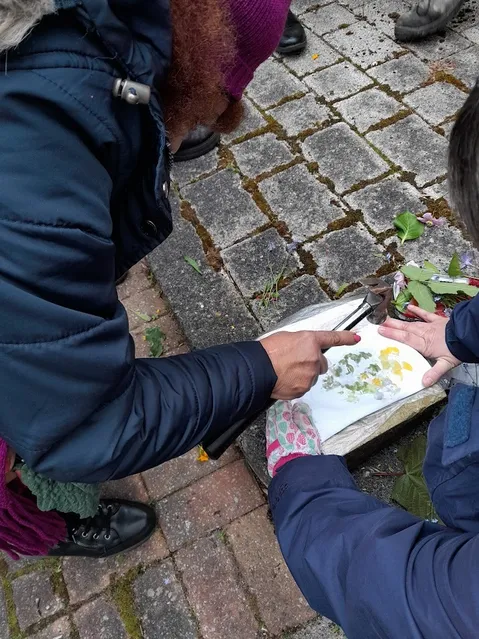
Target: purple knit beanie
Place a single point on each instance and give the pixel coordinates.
(259, 25)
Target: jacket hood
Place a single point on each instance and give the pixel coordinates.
(18, 17)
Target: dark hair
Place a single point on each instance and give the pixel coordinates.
(464, 165)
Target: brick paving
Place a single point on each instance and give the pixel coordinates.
(334, 144)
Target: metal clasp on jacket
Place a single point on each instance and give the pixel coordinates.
(131, 92)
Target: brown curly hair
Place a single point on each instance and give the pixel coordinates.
(203, 49)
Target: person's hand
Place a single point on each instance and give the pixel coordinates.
(290, 433)
(297, 358)
(427, 337)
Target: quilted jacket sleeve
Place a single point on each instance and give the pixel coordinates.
(74, 402)
(463, 331)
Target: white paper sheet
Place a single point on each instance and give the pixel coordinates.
(362, 380)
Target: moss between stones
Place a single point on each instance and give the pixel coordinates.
(122, 595)
(278, 169)
(212, 254)
(58, 583)
(360, 185)
(440, 208)
(442, 75)
(382, 124)
(252, 134)
(12, 621)
(225, 157)
(252, 188)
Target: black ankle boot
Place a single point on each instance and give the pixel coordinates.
(119, 525)
(293, 39)
(197, 143)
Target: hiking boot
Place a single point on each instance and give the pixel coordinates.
(119, 525)
(293, 39)
(426, 18)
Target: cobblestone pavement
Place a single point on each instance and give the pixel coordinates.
(335, 143)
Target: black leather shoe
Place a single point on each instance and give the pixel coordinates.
(119, 525)
(197, 143)
(426, 18)
(293, 39)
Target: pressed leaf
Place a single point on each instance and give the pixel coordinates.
(417, 273)
(342, 288)
(423, 296)
(452, 288)
(193, 263)
(143, 316)
(155, 338)
(430, 266)
(454, 269)
(410, 490)
(408, 226)
(402, 299)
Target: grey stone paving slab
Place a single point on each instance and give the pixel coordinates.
(297, 198)
(99, 619)
(343, 156)
(328, 18)
(301, 292)
(271, 83)
(402, 74)
(162, 604)
(447, 128)
(185, 172)
(209, 308)
(438, 47)
(34, 598)
(256, 262)
(252, 121)
(367, 108)
(305, 63)
(467, 17)
(338, 81)
(436, 102)
(415, 147)
(383, 14)
(59, 629)
(363, 44)
(437, 191)
(261, 154)
(300, 6)
(465, 66)
(224, 207)
(381, 202)
(438, 245)
(320, 628)
(472, 34)
(302, 114)
(346, 256)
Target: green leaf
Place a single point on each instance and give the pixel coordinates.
(155, 338)
(402, 300)
(423, 296)
(409, 227)
(452, 288)
(417, 273)
(341, 289)
(143, 316)
(410, 489)
(454, 269)
(193, 263)
(430, 266)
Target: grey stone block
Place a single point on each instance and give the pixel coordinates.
(328, 18)
(415, 147)
(438, 47)
(162, 605)
(437, 191)
(382, 14)
(367, 108)
(271, 83)
(305, 63)
(186, 172)
(381, 202)
(436, 102)
(466, 18)
(256, 262)
(346, 256)
(34, 598)
(300, 6)
(252, 121)
(320, 628)
(99, 620)
(472, 34)
(59, 629)
(299, 115)
(303, 291)
(343, 156)
(261, 154)
(298, 199)
(402, 74)
(465, 66)
(438, 244)
(363, 44)
(208, 306)
(224, 207)
(338, 81)
(447, 128)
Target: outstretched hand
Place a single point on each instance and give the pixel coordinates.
(427, 337)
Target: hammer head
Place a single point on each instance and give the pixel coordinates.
(379, 297)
